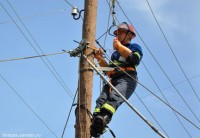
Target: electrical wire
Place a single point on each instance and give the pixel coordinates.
(151, 114)
(63, 133)
(154, 94)
(108, 22)
(163, 101)
(69, 4)
(27, 105)
(36, 15)
(56, 75)
(147, 108)
(170, 47)
(30, 57)
(124, 99)
(166, 100)
(136, 94)
(162, 68)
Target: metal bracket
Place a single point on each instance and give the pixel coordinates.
(82, 45)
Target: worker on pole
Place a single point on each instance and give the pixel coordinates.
(125, 58)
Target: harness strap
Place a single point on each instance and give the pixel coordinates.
(109, 73)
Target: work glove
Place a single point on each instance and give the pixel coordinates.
(123, 50)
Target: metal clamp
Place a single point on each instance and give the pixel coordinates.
(82, 45)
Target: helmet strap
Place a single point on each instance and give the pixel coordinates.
(126, 32)
(125, 37)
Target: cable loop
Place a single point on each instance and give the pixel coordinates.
(110, 29)
(76, 12)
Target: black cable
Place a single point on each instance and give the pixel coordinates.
(167, 100)
(169, 45)
(161, 68)
(136, 94)
(154, 94)
(180, 82)
(124, 99)
(151, 114)
(102, 35)
(172, 110)
(56, 75)
(31, 57)
(36, 15)
(108, 22)
(27, 105)
(69, 3)
(69, 114)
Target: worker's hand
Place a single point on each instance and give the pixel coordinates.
(98, 53)
(116, 44)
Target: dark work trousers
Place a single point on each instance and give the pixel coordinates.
(124, 84)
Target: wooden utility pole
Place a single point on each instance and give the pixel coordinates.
(83, 120)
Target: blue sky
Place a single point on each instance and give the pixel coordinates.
(53, 29)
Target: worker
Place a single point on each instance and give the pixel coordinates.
(127, 56)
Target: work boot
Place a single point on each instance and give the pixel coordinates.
(106, 115)
(99, 123)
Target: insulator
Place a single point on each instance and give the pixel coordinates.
(74, 11)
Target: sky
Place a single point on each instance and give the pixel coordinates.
(35, 101)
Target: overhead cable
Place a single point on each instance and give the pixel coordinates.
(36, 15)
(30, 57)
(136, 93)
(155, 95)
(63, 133)
(53, 70)
(162, 69)
(167, 100)
(170, 47)
(125, 100)
(69, 3)
(162, 94)
(151, 114)
(27, 105)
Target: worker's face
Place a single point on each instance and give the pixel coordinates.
(121, 34)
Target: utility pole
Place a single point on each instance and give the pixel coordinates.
(83, 120)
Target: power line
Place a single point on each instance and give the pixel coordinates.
(165, 98)
(36, 15)
(56, 75)
(69, 3)
(30, 57)
(167, 101)
(155, 95)
(139, 97)
(169, 45)
(151, 113)
(162, 68)
(69, 114)
(178, 83)
(27, 105)
(135, 93)
(124, 99)
(108, 22)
